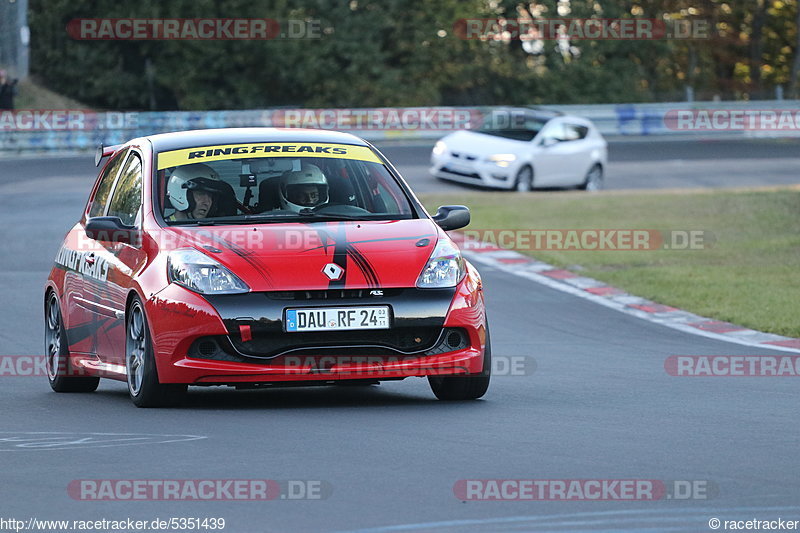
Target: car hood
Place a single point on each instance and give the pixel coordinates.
(481, 144)
(285, 257)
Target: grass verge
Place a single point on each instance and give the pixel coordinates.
(31, 95)
(750, 275)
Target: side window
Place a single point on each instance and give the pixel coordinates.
(106, 181)
(553, 133)
(388, 200)
(531, 124)
(575, 133)
(128, 194)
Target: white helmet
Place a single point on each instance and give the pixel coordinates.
(195, 177)
(303, 189)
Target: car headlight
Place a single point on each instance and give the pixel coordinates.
(439, 148)
(502, 160)
(445, 267)
(200, 273)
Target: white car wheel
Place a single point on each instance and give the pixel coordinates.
(594, 179)
(524, 179)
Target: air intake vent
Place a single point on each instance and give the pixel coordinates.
(455, 339)
(207, 348)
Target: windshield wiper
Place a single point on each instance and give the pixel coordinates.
(242, 219)
(308, 213)
(193, 222)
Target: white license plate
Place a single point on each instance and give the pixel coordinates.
(461, 167)
(337, 318)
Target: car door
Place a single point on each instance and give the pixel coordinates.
(580, 153)
(548, 161)
(82, 320)
(115, 264)
(563, 156)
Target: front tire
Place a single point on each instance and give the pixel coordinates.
(524, 180)
(593, 180)
(142, 377)
(460, 388)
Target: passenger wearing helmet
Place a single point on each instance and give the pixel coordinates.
(192, 190)
(303, 189)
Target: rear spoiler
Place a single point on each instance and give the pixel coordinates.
(104, 151)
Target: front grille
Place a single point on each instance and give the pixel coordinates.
(396, 340)
(459, 173)
(222, 348)
(255, 322)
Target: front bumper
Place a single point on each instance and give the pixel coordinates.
(236, 339)
(475, 172)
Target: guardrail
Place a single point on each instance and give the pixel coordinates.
(665, 118)
(78, 130)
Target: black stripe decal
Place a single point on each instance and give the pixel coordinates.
(246, 255)
(412, 238)
(364, 265)
(340, 255)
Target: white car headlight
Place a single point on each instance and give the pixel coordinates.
(200, 273)
(502, 160)
(445, 267)
(439, 148)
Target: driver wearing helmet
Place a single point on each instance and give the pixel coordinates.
(303, 189)
(192, 190)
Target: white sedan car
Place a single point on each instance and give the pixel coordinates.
(533, 149)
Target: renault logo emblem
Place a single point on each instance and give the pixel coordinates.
(333, 271)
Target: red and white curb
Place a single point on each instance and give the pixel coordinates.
(564, 280)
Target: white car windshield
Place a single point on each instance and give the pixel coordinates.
(518, 128)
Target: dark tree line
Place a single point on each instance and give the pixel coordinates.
(405, 53)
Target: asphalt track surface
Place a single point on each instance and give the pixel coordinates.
(598, 406)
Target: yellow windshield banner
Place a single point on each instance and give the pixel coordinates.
(203, 154)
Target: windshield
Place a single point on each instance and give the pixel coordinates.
(518, 128)
(270, 182)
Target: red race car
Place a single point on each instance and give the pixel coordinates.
(261, 257)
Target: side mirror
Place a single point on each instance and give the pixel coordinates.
(450, 217)
(549, 141)
(110, 229)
